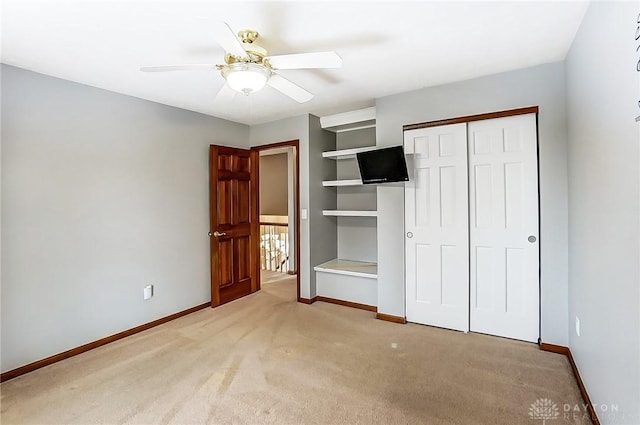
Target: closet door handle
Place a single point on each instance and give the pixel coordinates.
(409, 235)
(532, 239)
(218, 234)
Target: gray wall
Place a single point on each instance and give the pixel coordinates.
(295, 128)
(541, 85)
(273, 184)
(356, 235)
(323, 229)
(101, 195)
(603, 90)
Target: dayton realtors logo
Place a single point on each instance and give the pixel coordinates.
(544, 409)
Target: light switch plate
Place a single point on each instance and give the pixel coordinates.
(148, 292)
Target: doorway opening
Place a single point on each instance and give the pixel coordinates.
(279, 205)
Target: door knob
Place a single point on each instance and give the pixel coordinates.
(218, 234)
(409, 235)
(532, 239)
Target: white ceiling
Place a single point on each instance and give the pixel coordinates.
(386, 47)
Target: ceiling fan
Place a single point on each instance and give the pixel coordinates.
(248, 67)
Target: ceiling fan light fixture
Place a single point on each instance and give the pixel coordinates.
(246, 78)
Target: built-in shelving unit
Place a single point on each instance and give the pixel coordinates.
(351, 279)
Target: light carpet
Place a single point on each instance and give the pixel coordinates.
(266, 359)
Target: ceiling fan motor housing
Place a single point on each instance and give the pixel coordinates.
(255, 53)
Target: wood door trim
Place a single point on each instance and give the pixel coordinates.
(296, 144)
(254, 217)
(5, 376)
(470, 118)
(213, 218)
(559, 349)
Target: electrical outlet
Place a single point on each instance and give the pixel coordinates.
(148, 292)
(577, 326)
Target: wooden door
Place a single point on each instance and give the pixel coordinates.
(234, 227)
(503, 195)
(436, 227)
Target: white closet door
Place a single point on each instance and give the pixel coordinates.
(503, 202)
(436, 226)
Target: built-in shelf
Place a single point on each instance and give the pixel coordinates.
(352, 120)
(346, 153)
(349, 268)
(354, 182)
(350, 213)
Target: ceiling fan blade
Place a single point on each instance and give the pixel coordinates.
(306, 60)
(226, 94)
(225, 36)
(290, 89)
(187, 67)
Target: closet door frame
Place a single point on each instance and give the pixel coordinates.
(471, 118)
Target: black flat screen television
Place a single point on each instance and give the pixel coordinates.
(383, 165)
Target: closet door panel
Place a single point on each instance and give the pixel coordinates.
(503, 237)
(436, 226)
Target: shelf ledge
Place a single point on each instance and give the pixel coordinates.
(354, 182)
(350, 213)
(349, 268)
(346, 153)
